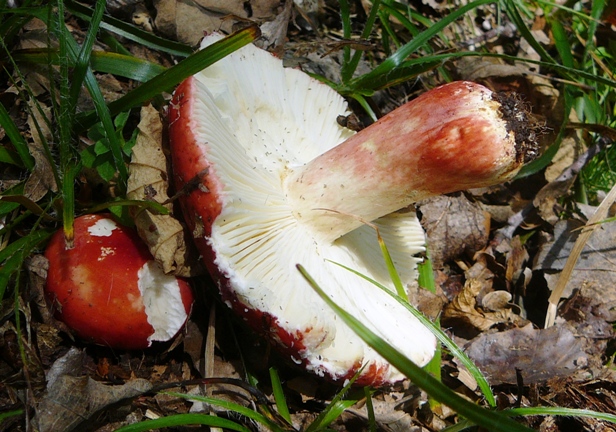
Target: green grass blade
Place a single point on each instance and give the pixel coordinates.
(483, 384)
(491, 420)
(114, 63)
(393, 61)
(27, 95)
(234, 407)
(131, 32)
(426, 281)
(68, 208)
(370, 409)
(279, 397)
(332, 412)
(560, 411)
(595, 14)
(21, 147)
(176, 74)
(350, 66)
(65, 121)
(13, 255)
(8, 206)
(151, 205)
(335, 408)
(561, 41)
(10, 157)
(28, 204)
(82, 62)
(405, 72)
(393, 11)
(421, 19)
(345, 18)
(125, 66)
(12, 23)
(184, 420)
(391, 269)
(101, 109)
(365, 105)
(9, 414)
(516, 18)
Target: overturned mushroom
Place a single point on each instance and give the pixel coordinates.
(281, 182)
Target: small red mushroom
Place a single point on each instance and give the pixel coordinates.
(109, 290)
(280, 182)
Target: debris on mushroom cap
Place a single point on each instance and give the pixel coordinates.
(247, 131)
(109, 289)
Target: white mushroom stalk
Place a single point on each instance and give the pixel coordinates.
(268, 157)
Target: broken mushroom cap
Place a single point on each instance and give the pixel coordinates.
(109, 290)
(272, 180)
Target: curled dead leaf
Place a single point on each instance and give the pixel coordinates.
(464, 312)
(148, 180)
(41, 179)
(496, 300)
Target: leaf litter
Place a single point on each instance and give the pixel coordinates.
(490, 289)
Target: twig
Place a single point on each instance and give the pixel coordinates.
(578, 246)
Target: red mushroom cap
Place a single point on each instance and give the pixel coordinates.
(109, 289)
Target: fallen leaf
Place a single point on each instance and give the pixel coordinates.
(595, 270)
(539, 354)
(463, 312)
(496, 300)
(454, 226)
(274, 32)
(517, 256)
(41, 179)
(148, 180)
(188, 22)
(73, 400)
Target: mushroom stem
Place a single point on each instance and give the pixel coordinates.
(455, 137)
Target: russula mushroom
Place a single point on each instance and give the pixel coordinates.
(272, 180)
(109, 290)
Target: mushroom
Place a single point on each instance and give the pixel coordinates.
(272, 180)
(109, 290)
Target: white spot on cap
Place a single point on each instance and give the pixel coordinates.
(106, 251)
(102, 228)
(162, 300)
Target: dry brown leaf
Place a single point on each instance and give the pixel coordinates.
(184, 22)
(429, 303)
(594, 273)
(72, 400)
(18, 351)
(148, 180)
(188, 22)
(454, 226)
(274, 32)
(517, 256)
(41, 180)
(463, 310)
(538, 354)
(496, 300)
(35, 36)
(569, 150)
